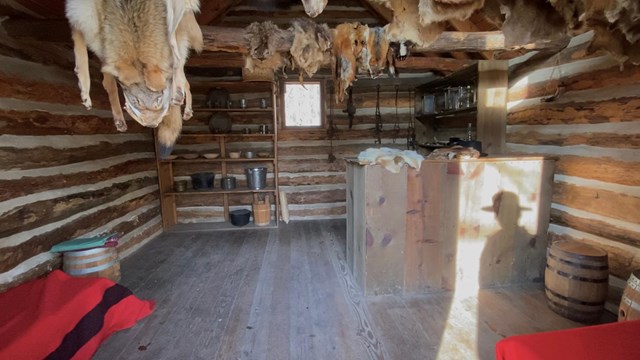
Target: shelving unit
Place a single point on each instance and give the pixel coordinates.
(451, 118)
(168, 195)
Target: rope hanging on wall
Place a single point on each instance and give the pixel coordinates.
(378, 128)
(396, 124)
(411, 130)
(331, 130)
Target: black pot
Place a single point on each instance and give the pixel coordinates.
(202, 181)
(472, 144)
(240, 217)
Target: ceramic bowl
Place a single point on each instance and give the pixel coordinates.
(211, 155)
(234, 154)
(190, 156)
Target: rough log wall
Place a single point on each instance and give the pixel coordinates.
(594, 130)
(66, 172)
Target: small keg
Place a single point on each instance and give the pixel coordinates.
(576, 280)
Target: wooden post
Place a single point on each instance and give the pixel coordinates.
(492, 105)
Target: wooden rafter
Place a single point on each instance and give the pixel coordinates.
(212, 10)
(468, 26)
(232, 40)
(381, 12)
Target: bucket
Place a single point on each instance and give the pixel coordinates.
(201, 181)
(100, 262)
(576, 280)
(256, 177)
(262, 212)
(630, 302)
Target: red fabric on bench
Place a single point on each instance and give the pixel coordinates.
(60, 316)
(619, 341)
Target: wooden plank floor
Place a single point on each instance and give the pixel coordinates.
(286, 294)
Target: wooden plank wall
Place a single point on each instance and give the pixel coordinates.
(594, 130)
(66, 172)
(315, 187)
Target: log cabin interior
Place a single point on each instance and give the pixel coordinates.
(521, 126)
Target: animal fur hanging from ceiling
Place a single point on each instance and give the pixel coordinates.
(433, 11)
(406, 24)
(264, 38)
(616, 25)
(373, 57)
(527, 22)
(314, 8)
(311, 47)
(348, 41)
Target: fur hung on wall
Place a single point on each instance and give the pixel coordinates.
(348, 41)
(263, 56)
(311, 47)
(433, 11)
(378, 49)
(614, 22)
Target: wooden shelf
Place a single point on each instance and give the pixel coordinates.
(269, 189)
(219, 226)
(233, 110)
(254, 142)
(449, 113)
(219, 160)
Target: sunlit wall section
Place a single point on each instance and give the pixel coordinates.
(584, 109)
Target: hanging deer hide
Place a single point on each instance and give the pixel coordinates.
(433, 11)
(348, 41)
(527, 22)
(311, 47)
(406, 23)
(614, 22)
(314, 8)
(378, 49)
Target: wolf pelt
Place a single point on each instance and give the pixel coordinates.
(137, 43)
(349, 39)
(311, 47)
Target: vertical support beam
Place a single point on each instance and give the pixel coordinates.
(492, 105)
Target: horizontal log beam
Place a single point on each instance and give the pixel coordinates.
(232, 40)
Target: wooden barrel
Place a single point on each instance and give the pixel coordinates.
(630, 302)
(262, 212)
(576, 280)
(100, 262)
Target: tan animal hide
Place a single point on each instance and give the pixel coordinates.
(263, 70)
(133, 39)
(311, 47)
(169, 130)
(314, 8)
(406, 24)
(433, 11)
(614, 22)
(348, 41)
(378, 46)
(527, 22)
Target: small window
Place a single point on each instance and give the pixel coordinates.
(302, 104)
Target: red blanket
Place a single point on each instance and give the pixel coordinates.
(619, 341)
(61, 317)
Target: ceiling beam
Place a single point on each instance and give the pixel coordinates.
(232, 40)
(469, 26)
(212, 10)
(382, 12)
(423, 63)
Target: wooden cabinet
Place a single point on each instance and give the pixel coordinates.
(452, 225)
(198, 140)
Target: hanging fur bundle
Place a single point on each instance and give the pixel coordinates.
(378, 46)
(433, 11)
(398, 50)
(263, 39)
(614, 22)
(263, 44)
(348, 41)
(311, 46)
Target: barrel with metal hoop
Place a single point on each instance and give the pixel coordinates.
(576, 280)
(630, 302)
(99, 262)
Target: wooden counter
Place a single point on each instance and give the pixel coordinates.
(452, 225)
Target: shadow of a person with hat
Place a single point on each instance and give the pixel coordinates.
(504, 256)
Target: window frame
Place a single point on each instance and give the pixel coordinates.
(283, 124)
